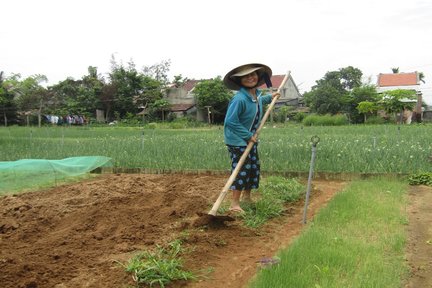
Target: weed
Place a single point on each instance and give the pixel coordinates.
(158, 267)
(275, 192)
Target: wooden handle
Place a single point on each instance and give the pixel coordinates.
(234, 174)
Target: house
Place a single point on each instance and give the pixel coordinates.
(183, 103)
(290, 95)
(182, 99)
(406, 81)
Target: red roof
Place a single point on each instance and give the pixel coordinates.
(190, 84)
(276, 81)
(398, 79)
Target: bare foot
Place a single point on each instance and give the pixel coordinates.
(236, 209)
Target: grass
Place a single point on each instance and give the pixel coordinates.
(358, 240)
(275, 192)
(159, 267)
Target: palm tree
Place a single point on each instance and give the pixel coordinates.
(395, 70)
(421, 77)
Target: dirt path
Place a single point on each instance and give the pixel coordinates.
(75, 235)
(419, 249)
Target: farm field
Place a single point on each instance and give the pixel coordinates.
(76, 235)
(72, 235)
(344, 149)
(80, 234)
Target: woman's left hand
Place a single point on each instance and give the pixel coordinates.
(276, 94)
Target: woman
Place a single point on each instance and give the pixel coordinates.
(242, 120)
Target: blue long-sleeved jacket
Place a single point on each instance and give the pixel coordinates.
(240, 116)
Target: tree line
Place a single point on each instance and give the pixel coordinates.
(343, 92)
(127, 91)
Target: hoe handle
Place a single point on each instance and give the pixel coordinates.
(234, 174)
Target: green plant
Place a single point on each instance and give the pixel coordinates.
(349, 149)
(152, 125)
(375, 120)
(298, 117)
(158, 267)
(421, 179)
(275, 191)
(325, 120)
(265, 208)
(287, 190)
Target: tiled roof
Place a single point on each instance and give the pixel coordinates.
(190, 84)
(276, 81)
(181, 107)
(397, 79)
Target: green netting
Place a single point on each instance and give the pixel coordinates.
(31, 174)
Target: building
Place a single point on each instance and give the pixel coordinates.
(183, 102)
(405, 81)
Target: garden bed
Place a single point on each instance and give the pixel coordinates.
(77, 235)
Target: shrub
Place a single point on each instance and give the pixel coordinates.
(325, 120)
(421, 179)
(152, 125)
(375, 120)
(298, 117)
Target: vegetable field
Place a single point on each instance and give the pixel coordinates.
(85, 234)
(348, 149)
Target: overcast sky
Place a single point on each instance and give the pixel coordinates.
(205, 39)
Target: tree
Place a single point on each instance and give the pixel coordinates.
(395, 70)
(421, 77)
(363, 93)
(395, 101)
(8, 90)
(179, 81)
(161, 105)
(151, 92)
(89, 92)
(129, 85)
(32, 95)
(325, 99)
(331, 93)
(158, 71)
(65, 97)
(213, 93)
(350, 77)
(366, 107)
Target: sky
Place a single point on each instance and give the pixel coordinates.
(204, 39)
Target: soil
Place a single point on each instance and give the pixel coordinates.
(77, 235)
(419, 248)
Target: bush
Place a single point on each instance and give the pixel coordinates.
(421, 179)
(375, 120)
(281, 114)
(298, 117)
(152, 125)
(325, 120)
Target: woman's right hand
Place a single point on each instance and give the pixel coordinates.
(254, 138)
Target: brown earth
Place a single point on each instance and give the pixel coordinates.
(419, 248)
(76, 235)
